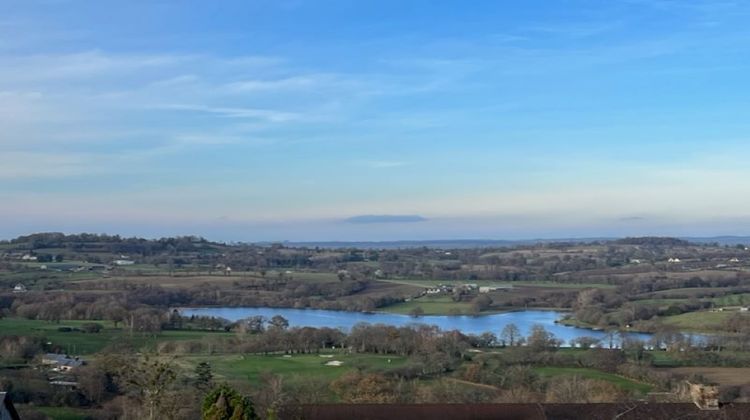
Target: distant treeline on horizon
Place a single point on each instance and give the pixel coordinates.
(57, 239)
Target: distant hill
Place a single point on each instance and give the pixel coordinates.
(494, 243)
(721, 240)
(115, 243)
(653, 240)
(438, 243)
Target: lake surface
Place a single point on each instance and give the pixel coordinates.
(494, 323)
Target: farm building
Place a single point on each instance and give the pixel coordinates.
(61, 362)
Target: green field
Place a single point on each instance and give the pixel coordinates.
(660, 302)
(699, 321)
(80, 343)
(36, 279)
(563, 285)
(249, 367)
(740, 299)
(626, 384)
(431, 305)
(493, 283)
(64, 413)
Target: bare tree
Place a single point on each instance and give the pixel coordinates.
(510, 335)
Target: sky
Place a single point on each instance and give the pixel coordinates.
(260, 120)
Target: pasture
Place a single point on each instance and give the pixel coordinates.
(431, 305)
(81, 343)
(624, 383)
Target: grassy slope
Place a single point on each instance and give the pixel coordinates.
(431, 305)
(444, 305)
(621, 382)
(432, 283)
(249, 367)
(699, 321)
(81, 343)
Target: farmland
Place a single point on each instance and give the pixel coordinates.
(619, 381)
(111, 301)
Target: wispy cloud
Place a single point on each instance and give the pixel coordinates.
(287, 83)
(80, 66)
(229, 112)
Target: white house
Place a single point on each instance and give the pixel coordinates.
(123, 262)
(28, 257)
(674, 260)
(20, 288)
(61, 362)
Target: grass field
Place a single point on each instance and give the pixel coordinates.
(739, 299)
(249, 367)
(431, 305)
(493, 283)
(660, 302)
(64, 413)
(80, 343)
(699, 321)
(626, 384)
(40, 277)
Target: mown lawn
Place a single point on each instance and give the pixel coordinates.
(249, 367)
(621, 382)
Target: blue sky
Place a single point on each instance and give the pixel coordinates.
(273, 120)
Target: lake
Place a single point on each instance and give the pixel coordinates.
(494, 323)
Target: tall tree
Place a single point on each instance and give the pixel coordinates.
(278, 322)
(540, 339)
(510, 335)
(150, 380)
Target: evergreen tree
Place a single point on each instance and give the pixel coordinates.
(204, 379)
(225, 403)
